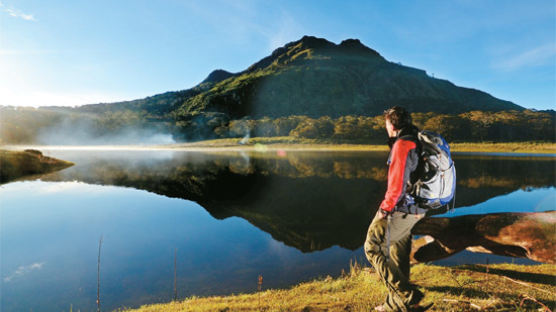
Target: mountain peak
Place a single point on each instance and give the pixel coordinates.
(309, 45)
(217, 76)
(311, 42)
(356, 46)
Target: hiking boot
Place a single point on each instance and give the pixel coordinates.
(417, 297)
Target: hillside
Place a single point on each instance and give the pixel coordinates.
(310, 77)
(315, 77)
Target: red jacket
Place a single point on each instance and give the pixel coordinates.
(402, 161)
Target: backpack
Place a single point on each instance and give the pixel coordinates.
(436, 183)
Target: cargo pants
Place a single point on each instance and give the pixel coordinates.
(393, 266)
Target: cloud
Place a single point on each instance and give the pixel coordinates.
(538, 56)
(17, 13)
(22, 270)
(50, 188)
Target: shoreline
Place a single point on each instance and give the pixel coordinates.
(273, 145)
(26, 163)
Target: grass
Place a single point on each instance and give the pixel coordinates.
(506, 287)
(19, 164)
(292, 143)
(508, 147)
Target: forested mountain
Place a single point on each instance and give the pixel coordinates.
(315, 77)
(303, 81)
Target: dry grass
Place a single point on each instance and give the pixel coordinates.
(463, 288)
(20, 164)
(510, 147)
(290, 143)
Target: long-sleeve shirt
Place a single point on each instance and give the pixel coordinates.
(403, 160)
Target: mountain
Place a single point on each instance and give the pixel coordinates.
(217, 76)
(315, 77)
(312, 77)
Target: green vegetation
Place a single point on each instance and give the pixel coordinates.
(29, 125)
(475, 126)
(315, 77)
(499, 287)
(17, 164)
(310, 88)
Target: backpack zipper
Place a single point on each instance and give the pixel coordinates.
(441, 185)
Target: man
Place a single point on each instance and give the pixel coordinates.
(388, 242)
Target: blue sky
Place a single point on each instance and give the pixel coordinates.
(79, 52)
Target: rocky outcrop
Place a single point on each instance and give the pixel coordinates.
(524, 235)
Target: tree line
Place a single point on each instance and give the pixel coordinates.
(474, 126)
(26, 125)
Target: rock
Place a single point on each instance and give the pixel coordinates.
(524, 235)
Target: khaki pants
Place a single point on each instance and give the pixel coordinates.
(393, 269)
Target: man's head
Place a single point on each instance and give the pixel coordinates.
(396, 119)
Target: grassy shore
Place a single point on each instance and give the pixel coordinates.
(511, 147)
(263, 144)
(19, 164)
(292, 143)
(498, 287)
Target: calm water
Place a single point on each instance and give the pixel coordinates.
(230, 217)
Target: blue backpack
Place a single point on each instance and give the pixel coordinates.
(436, 185)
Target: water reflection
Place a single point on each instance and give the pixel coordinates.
(310, 201)
(304, 208)
(50, 235)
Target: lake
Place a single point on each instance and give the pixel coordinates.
(228, 217)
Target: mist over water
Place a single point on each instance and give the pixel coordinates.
(290, 216)
(84, 133)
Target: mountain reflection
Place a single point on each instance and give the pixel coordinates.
(310, 201)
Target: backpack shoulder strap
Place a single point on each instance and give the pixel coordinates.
(427, 139)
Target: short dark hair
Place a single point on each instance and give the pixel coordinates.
(398, 116)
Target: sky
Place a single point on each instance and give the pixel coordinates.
(82, 52)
